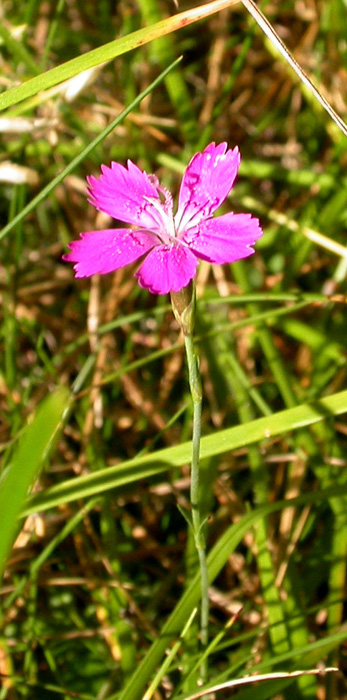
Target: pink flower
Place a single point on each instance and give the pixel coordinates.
(169, 245)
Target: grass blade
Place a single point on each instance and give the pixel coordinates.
(216, 560)
(33, 449)
(163, 460)
(84, 153)
(267, 28)
(109, 51)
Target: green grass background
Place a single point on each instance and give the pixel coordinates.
(98, 570)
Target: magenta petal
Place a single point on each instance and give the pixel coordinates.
(206, 183)
(224, 239)
(99, 252)
(121, 192)
(167, 269)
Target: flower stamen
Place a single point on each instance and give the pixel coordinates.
(164, 209)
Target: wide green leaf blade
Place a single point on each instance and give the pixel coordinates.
(162, 460)
(33, 448)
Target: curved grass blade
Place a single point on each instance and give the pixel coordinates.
(249, 680)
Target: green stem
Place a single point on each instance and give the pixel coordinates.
(197, 520)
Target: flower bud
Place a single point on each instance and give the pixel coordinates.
(183, 306)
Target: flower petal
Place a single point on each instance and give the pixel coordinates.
(224, 239)
(99, 252)
(167, 269)
(121, 192)
(206, 183)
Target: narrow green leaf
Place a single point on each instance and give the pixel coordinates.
(109, 51)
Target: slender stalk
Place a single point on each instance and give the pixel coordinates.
(197, 520)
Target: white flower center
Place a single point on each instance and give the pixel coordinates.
(164, 208)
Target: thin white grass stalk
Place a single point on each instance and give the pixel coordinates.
(268, 29)
(263, 677)
(283, 220)
(324, 241)
(314, 236)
